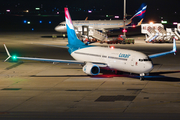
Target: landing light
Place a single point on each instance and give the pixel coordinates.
(151, 23)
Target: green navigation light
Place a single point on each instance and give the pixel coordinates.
(14, 57)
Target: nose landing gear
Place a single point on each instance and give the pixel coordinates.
(142, 76)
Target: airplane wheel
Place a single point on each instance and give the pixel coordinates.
(142, 78)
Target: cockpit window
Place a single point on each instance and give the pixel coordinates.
(141, 60)
(148, 59)
(62, 25)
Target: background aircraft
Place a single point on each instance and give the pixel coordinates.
(105, 25)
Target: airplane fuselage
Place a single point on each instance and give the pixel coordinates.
(93, 24)
(118, 59)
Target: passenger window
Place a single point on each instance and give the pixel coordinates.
(61, 24)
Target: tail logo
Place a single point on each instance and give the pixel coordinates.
(141, 12)
(68, 19)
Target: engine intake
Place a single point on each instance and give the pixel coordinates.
(91, 69)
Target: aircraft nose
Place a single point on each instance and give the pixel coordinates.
(60, 29)
(57, 28)
(149, 66)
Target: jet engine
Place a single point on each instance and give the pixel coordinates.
(91, 69)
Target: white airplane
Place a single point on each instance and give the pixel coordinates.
(94, 58)
(106, 25)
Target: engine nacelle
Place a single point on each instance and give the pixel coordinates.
(91, 69)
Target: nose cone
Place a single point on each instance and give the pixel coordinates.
(149, 67)
(56, 28)
(60, 28)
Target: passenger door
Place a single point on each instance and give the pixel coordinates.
(132, 61)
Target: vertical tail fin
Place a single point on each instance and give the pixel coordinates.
(139, 16)
(72, 38)
(9, 56)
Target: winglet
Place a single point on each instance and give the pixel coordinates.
(174, 46)
(9, 56)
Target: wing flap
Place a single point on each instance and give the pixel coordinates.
(51, 60)
(59, 46)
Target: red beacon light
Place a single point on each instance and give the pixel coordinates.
(112, 47)
(124, 30)
(134, 26)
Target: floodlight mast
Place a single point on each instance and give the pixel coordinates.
(124, 18)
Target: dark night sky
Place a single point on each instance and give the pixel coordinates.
(168, 9)
(156, 8)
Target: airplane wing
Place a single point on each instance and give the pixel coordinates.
(41, 59)
(165, 53)
(59, 46)
(50, 60)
